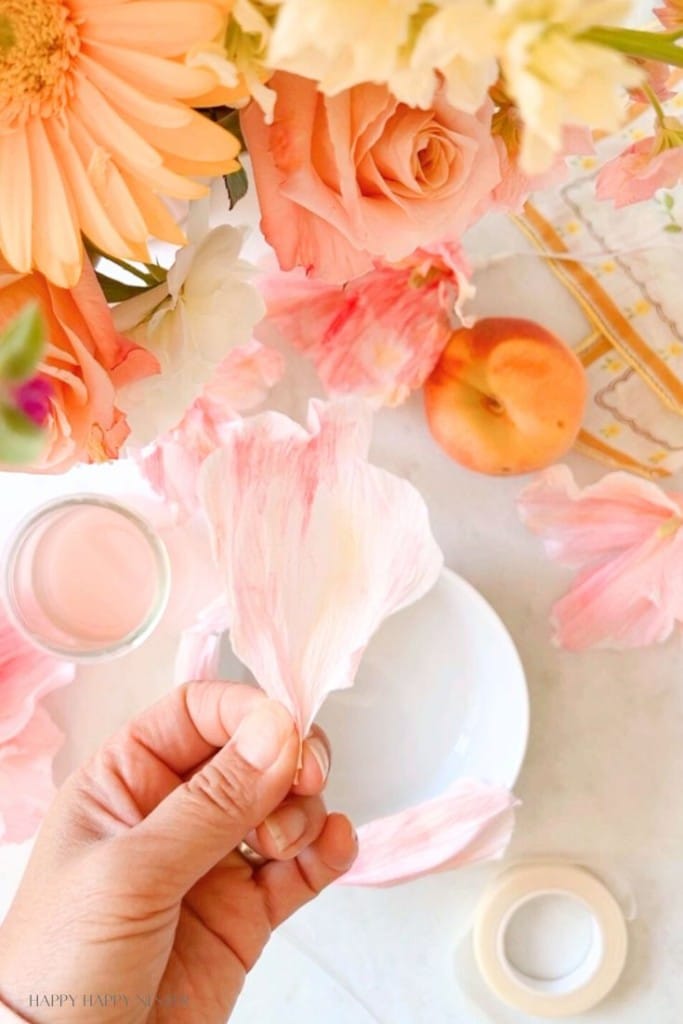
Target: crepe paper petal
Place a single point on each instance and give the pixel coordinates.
(199, 650)
(197, 658)
(171, 464)
(579, 525)
(26, 675)
(317, 546)
(632, 600)
(380, 335)
(470, 822)
(627, 535)
(26, 786)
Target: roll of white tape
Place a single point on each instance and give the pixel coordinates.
(588, 982)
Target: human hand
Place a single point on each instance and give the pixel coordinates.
(135, 890)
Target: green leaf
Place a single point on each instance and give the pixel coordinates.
(117, 291)
(231, 123)
(21, 440)
(21, 344)
(673, 229)
(668, 201)
(236, 185)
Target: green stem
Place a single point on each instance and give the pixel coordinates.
(656, 105)
(660, 46)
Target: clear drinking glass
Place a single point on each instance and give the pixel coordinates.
(86, 578)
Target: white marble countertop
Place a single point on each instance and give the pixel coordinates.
(601, 782)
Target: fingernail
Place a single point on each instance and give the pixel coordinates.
(286, 826)
(319, 751)
(261, 736)
(346, 862)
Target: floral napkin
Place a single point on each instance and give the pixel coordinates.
(622, 269)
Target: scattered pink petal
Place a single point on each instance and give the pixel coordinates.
(637, 173)
(199, 650)
(515, 186)
(380, 335)
(171, 465)
(671, 14)
(470, 822)
(658, 78)
(317, 546)
(26, 786)
(26, 675)
(627, 535)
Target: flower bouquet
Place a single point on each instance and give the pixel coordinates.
(374, 136)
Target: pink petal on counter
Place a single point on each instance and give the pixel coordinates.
(26, 675)
(472, 821)
(578, 525)
(26, 786)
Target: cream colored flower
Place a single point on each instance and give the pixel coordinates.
(341, 43)
(556, 77)
(404, 44)
(205, 308)
(237, 56)
(457, 42)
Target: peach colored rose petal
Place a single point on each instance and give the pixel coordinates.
(348, 179)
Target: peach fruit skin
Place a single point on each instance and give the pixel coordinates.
(506, 397)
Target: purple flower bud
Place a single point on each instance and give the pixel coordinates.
(33, 398)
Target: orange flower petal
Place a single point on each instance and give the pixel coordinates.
(15, 200)
(107, 183)
(113, 132)
(149, 73)
(57, 246)
(157, 217)
(199, 136)
(164, 31)
(126, 98)
(91, 211)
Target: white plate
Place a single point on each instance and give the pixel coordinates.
(440, 695)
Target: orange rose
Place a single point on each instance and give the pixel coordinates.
(85, 362)
(346, 180)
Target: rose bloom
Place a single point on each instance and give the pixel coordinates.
(348, 179)
(85, 362)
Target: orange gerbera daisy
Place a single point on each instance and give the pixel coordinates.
(96, 122)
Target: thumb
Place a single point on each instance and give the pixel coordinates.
(205, 818)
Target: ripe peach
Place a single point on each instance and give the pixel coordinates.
(507, 396)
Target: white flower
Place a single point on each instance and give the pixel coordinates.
(458, 42)
(341, 42)
(557, 78)
(237, 55)
(206, 307)
(404, 44)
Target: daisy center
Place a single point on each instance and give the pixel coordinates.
(38, 43)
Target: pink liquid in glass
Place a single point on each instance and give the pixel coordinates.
(86, 578)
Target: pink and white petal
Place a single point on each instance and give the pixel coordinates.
(581, 525)
(317, 546)
(26, 675)
(632, 600)
(469, 823)
(26, 785)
